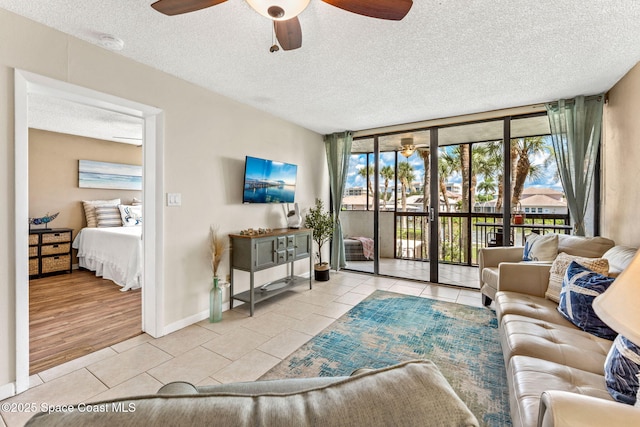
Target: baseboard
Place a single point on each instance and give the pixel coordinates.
(7, 390)
(176, 326)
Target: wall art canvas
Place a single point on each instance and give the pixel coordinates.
(112, 176)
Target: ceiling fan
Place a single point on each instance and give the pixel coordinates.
(284, 13)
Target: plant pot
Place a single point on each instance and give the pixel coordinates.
(321, 272)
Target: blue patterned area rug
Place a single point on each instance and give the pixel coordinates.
(388, 328)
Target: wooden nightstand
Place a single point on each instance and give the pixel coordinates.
(49, 251)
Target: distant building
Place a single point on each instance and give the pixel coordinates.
(533, 200)
(354, 191)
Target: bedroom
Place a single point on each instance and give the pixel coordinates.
(78, 313)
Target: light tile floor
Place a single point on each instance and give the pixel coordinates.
(240, 348)
(450, 274)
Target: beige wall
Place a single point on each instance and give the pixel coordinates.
(621, 161)
(206, 137)
(53, 175)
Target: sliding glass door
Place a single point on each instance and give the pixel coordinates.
(420, 204)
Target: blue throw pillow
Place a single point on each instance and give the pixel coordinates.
(621, 370)
(580, 286)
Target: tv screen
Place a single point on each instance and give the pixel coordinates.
(268, 181)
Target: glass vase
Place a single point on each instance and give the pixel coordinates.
(215, 302)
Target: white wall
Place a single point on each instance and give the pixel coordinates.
(206, 139)
(621, 160)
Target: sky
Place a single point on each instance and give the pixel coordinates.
(358, 162)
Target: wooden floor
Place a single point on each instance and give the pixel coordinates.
(71, 315)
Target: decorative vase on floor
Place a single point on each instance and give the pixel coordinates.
(215, 302)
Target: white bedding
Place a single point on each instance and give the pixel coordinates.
(114, 253)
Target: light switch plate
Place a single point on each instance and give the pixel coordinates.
(174, 199)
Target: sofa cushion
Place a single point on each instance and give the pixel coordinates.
(559, 268)
(540, 248)
(530, 306)
(621, 369)
(524, 336)
(619, 258)
(528, 377)
(589, 247)
(579, 288)
(413, 394)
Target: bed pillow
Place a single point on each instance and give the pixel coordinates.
(579, 288)
(90, 209)
(136, 202)
(559, 268)
(540, 248)
(108, 216)
(621, 370)
(131, 215)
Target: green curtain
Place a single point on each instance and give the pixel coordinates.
(338, 146)
(575, 132)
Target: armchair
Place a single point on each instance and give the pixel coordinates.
(502, 268)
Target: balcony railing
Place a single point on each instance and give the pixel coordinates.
(462, 235)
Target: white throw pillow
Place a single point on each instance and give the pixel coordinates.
(90, 209)
(131, 215)
(540, 248)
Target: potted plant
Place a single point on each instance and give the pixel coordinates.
(322, 224)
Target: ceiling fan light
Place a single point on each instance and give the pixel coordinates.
(279, 10)
(407, 147)
(408, 151)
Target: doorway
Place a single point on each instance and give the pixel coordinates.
(26, 83)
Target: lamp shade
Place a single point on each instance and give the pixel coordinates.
(619, 306)
(279, 10)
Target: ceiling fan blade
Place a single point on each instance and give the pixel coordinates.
(176, 7)
(393, 10)
(289, 33)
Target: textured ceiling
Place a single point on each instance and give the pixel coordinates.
(445, 58)
(63, 116)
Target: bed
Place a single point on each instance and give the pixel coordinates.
(114, 253)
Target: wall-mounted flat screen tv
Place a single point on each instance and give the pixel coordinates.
(268, 181)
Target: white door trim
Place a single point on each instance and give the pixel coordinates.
(153, 285)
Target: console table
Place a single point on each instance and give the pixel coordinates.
(257, 252)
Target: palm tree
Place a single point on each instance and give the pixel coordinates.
(446, 166)
(367, 173)
(424, 155)
(526, 148)
(426, 181)
(406, 178)
(387, 173)
(487, 186)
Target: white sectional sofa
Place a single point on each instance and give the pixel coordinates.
(555, 370)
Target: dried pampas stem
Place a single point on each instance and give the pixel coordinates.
(218, 248)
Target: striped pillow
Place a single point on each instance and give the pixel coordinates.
(108, 216)
(90, 209)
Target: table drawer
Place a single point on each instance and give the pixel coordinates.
(56, 237)
(33, 239)
(60, 248)
(33, 251)
(56, 263)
